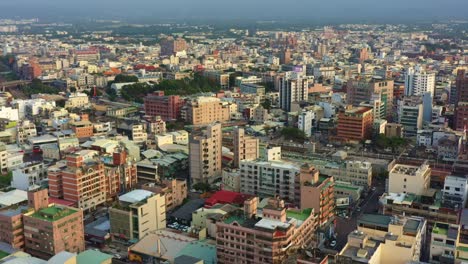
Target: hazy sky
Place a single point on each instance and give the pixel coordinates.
(239, 9)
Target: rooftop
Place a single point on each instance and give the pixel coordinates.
(375, 219)
(135, 196)
(53, 213)
(201, 250)
(92, 257)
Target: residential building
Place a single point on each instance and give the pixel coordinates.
(11, 226)
(205, 154)
(156, 125)
(461, 255)
(50, 229)
(381, 239)
(206, 110)
(428, 205)
(409, 179)
(293, 89)
(394, 130)
(137, 214)
(306, 121)
(174, 190)
(443, 241)
(167, 107)
(170, 46)
(80, 180)
(355, 123)
(316, 192)
(269, 178)
(245, 147)
(77, 100)
(364, 89)
(263, 239)
(26, 129)
(461, 101)
(418, 81)
(455, 191)
(82, 129)
(358, 173)
(410, 115)
(28, 176)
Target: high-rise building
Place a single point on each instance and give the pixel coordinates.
(306, 121)
(245, 147)
(419, 82)
(316, 192)
(293, 89)
(205, 149)
(461, 101)
(263, 239)
(82, 180)
(167, 107)
(50, 229)
(285, 56)
(136, 214)
(206, 110)
(170, 46)
(355, 123)
(366, 90)
(410, 115)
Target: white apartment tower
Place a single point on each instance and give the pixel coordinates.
(418, 81)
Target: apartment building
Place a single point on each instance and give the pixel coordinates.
(418, 81)
(455, 191)
(269, 178)
(205, 151)
(428, 205)
(28, 176)
(244, 237)
(136, 214)
(410, 115)
(156, 125)
(317, 193)
(409, 179)
(76, 100)
(245, 147)
(50, 229)
(206, 110)
(358, 173)
(461, 253)
(11, 226)
(381, 239)
(167, 107)
(461, 101)
(355, 123)
(443, 241)
(306, 121)
(82, 129)
(81, 180)
(293, 89)
(365, 89)
(26, 129)
(174, 190)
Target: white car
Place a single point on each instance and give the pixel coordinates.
(333, 243)
(118, 256)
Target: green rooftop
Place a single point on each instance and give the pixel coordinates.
(234, 218)
(299, 215)
(3, 254)
(375, 219)
(53, 213)
(201, 250)
(462, 248)
(346, 187)
(92, 257)
(440, 229)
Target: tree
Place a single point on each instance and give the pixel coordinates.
(122, 78)
(266, 104)
(292, 133)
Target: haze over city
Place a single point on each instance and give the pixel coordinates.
(314, 10)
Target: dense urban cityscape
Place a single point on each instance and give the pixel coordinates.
(203, 143)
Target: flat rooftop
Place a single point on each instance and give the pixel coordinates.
(53, 213)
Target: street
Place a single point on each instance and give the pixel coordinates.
(369, 205)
